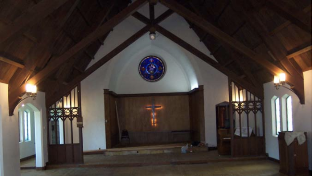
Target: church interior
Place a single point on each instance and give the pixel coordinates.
(155, 87)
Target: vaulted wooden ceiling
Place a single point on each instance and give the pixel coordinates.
(50, 43)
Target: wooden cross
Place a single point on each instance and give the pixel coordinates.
(153, 107)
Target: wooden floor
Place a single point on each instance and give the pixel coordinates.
(28, 164)
(99, 160)
(237, 168)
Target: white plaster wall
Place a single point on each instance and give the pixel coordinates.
(10, 149)
(120, 74)
(302, 114)
(27, 148)
(38, 106)
(1, 148)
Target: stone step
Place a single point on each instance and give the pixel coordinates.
(150, 150)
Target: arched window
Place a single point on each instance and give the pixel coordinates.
(289, 113)
(27, 126)
(276, 116)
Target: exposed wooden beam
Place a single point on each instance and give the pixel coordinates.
(278, 51)
(53, 98)
(258, 91)
(248, 73)
(30, 17)
(151, 12)
(83, 16)
(57, 62)
(211, 29)
(45, 43)
(228, 63)
(299, 50)
(63, 72)
(4, 81)
(238, 46)
(12, 61)
(294, 15)
(163, 16)
(141, 18)
(87, 40)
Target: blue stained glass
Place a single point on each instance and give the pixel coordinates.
(151, 68)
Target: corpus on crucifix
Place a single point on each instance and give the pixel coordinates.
(153, 107)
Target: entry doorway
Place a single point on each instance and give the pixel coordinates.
(30, 136)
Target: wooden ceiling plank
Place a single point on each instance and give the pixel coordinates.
(57, 62)
(4, 81)
(258, 91)
(83, 16)
(53, 98)
(249, 75)
(67, 67)
(238, 46)
(43, 45)
(273, 44)
(214, 31)
(14, 62)
(294, 15)
(30, 17)
(299, 50)
(287, 23)
(294, 77)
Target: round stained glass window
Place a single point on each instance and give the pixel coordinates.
(152, 68)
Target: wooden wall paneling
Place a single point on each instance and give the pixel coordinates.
(114, 130)
(293, 158)
(78, 154)
(173, 123)
(107, 118)
(68, 149)
(197, 118)
(63, 151)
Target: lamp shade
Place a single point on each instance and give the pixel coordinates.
(31, 88)
(282, 77)
(276, 79)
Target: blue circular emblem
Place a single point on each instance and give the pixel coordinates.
(151, 68)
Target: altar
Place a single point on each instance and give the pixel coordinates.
(153, 119)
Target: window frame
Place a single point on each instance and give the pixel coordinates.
(27, 126)
(287, 112)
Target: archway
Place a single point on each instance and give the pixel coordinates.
(34, 143)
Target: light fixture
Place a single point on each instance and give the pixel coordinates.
(31, 90)
(279, 80)
(152, 35)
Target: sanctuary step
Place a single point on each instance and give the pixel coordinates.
(155, 149)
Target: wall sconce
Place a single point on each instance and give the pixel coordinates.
(31, 91)
(279, 81)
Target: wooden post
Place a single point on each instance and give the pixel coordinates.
(231, 116)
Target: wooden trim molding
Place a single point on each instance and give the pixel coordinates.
(107, 91)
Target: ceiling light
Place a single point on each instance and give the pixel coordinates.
(152, 35)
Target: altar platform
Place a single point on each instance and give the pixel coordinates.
(152, 149)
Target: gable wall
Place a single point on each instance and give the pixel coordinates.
(184, 72)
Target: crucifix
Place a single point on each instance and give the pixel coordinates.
(153, 107)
